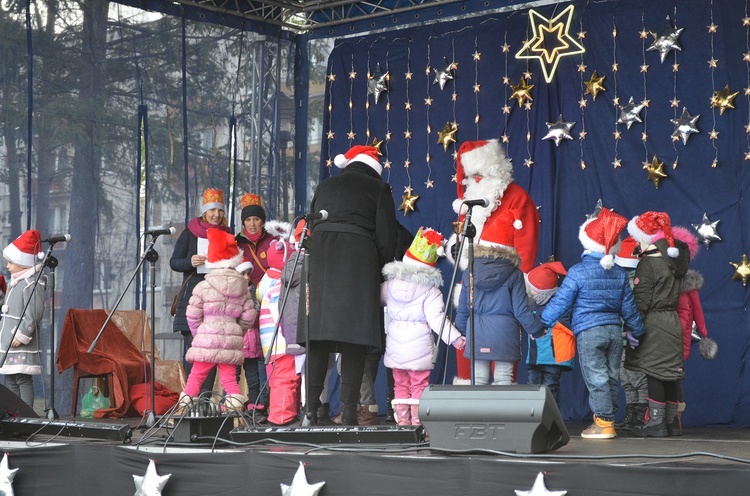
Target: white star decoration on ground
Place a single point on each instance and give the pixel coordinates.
(540, 489)
(6, 477)
(150, 484)
(299, 486)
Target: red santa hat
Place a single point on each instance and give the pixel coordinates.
(425, 249)
(627, 258)
(223, 251)
(546, 276)
(646, 226)
(359, 153)
(244, 266)
(499, 231)
(602, 235)
(25, 249)
(484, 157)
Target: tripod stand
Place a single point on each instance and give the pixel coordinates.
(152, 256)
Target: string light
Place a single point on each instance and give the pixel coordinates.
(616, 100)
(713, 63)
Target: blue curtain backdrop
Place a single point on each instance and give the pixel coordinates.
(716, 392)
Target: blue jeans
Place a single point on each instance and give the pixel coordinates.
(600, 353)
(548, 375)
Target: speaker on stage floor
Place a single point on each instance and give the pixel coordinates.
(13, 406)
(521, 419)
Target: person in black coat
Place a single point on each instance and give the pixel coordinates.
(348, 251)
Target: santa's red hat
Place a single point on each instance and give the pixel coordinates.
(546, 276)
(646, 226)
(223, 251)
(360, 153)
(500, 230)
(627, 258)
(602, 235)
(25, 250)
(484, 157)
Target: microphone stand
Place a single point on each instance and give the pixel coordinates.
(468, 231)
(51, 412)
(152, 256)
(48, 261)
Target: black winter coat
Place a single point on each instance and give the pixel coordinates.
(184, 249)
(348, 251)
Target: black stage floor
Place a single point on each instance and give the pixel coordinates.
(703, 461)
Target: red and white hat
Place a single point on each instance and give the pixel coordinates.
(223, 251)
(25, 250)
(360, 153)
(546, 276)
(500, 231)
(244, 266)
(602, 235)
(279, 253)
(485, 157)
(646, 226)
(212, 198)
(626, 258)
(425, 249)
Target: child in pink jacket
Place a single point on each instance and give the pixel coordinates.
(414, 303)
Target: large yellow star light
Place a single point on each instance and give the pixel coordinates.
(551, 41)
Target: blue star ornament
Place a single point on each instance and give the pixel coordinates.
(299, 486)
(150, 484)
(6, 477)
(540, 489)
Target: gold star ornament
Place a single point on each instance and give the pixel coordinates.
(376, 143)
(741, 270)
(521, 92)
(594, 85)
(447, 135)
(408, 202)
(655, 171)
(723, 99)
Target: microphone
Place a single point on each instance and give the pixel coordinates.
(480, 202)
(159, 230)
(60, 238)
(322, 215)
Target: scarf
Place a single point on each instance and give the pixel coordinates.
(24, 274)
(199, 227)
(252, 237)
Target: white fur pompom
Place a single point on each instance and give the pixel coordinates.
(607, 261)
(708, 348)
(339, 161)
(440, 251)
(459, 207)
(673, 251)
(517, 224)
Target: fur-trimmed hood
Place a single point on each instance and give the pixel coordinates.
(693, 281)
(494, 252)
(424, 276)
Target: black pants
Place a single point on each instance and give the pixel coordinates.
(663, 391)
(352, 368)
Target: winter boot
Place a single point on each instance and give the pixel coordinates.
(672, 419)
(655, 425)
(402, 410)
(639, 417)
(390, 416)
(415, 412)
(628, 419)
(349, 415)
(324, 415)
(234, 403)
(183, 406)
(600, 429)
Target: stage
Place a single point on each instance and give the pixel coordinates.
(702, 461)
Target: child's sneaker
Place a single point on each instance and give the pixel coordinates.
(600, 429)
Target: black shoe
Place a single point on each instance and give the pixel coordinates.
(349, 415)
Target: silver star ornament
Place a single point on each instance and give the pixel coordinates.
(666, 40)
(152, 483)
(299, 486)
(6, 477)
(707, 231)
(630, 113)
(597, 208)
(685, 125)
(559, 130)
(442, 76)
(377, 85)
(540, 489)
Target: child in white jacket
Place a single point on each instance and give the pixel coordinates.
(415, 307)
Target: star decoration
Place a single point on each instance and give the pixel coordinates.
(684, 126)
(408, 190)
(540, 489)
(581, 67)
(408, 202)
(352, 75)
(407, 105)
(582, 135)
(594, 85)
(506, 109)
(723, 99)
(675, 67)
(551, 41)
(351, 135)
(476, 88)
(528, 162)
(746, 21)
(581, 35)
(559, 130)
(387, 164)
(6, 477)
(506, 47)
(151, 483)
(615, 67)
(707, 231)
(376, 85)
(408, 75)
(746, 57)
(476, 55)
(521, 92)
(630, 113)
(376, 143)
(666, 40)
(428, 101)
(712, 28)
(597, 208)
(330, 135)
(741, 270)
(407, 134)
(527, 75)
(506, 80)
(329, 163)
(713, 63)
(644, 68)
(655, 171)
(299, 486)
(643, 34)
(430, 183)
(505, 138)
(332, 77)
(582, 103)
(616, 134)
(617, 163)
(713, 134)
(444, 75)
(407, 163)
(447, 135)
(527, 106)
(674, 103)
(644, 137)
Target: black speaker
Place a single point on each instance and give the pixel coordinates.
(13, 406)
(521, 419)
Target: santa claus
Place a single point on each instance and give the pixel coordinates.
(484, 171)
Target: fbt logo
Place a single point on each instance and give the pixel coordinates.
(477, 431)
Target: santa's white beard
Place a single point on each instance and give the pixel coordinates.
(490, 188)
